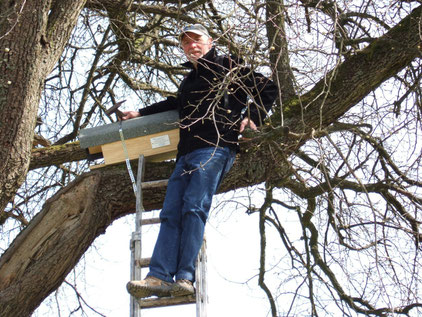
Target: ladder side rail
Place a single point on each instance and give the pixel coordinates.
(201, 287)
(136, 246)
(204, 274)
(138, 219)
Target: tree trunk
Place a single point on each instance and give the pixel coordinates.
(44, 253)
(32, 37)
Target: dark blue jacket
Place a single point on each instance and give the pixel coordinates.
(213, 99)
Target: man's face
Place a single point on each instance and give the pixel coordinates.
(195, 46)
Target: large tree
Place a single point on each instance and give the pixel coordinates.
(340, 151)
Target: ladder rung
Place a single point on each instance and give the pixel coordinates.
(144, 262)
(155, 184)
(150, 221)
(166, 301)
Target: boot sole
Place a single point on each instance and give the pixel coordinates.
(147, 291)
(178, 290)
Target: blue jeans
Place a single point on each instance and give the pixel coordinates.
(191, 187)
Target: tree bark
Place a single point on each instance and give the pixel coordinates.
(279, 52)
(56, 239)
(56, 155)
(33, 35)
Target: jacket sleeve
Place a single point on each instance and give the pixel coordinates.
(262, 93)
(168, 104)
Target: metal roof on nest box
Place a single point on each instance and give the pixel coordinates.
(155, 136)
(132, 128)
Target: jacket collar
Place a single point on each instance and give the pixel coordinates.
(207, 58)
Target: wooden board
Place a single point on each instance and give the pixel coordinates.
(157, 147)
(95, 149)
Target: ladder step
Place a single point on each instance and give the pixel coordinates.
(150, 221)
(144, 262)
(155, 184)
(166, 301)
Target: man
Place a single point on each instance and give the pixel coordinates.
(210, 101)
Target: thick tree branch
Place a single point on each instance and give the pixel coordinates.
(357, 76)
(56, 155)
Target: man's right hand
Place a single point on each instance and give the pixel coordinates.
(130, 114)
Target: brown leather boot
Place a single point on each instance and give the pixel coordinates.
(150, 286)
(182, 288)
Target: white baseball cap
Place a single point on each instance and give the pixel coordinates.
(194, 28)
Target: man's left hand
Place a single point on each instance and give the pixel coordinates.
(247, 123)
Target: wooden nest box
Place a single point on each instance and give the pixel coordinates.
(155, 136)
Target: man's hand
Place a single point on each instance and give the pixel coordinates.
(247, 123)
(130, 114)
